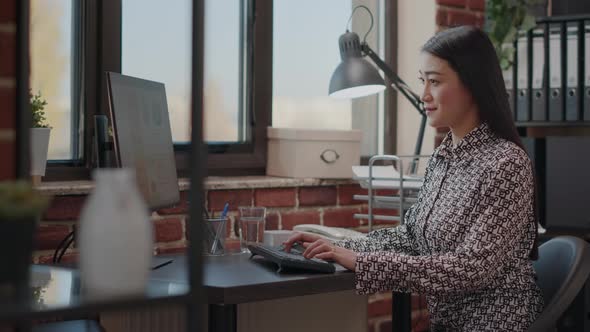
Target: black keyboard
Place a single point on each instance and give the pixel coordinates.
(287, 260)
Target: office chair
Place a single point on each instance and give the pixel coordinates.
(562, 270)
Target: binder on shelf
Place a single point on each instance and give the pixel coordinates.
(522, 82)
(539, 107)
(587, 71)
(555, 87)
(571, 95)
(507, 74)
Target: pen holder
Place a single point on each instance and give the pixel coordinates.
(214, 236)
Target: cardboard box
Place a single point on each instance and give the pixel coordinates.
(312, 153)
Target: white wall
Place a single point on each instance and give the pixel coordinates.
(416, 23)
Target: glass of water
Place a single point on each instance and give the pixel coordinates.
(251, 226)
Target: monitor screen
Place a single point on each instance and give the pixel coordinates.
(142, 136)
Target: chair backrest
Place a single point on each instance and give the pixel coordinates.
(562, 269)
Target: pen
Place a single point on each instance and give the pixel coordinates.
(162, 264)
(216, 239)
(225, 209)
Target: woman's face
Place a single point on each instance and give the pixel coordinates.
(447, 101)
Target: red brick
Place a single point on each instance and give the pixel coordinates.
(272, 221)
(8, 164)
(235, 198)
(168, 230)
(180, 208)
(343, 217)
(441, 17)
(384, 325)
(379, 308)
(380, 211)
(8, 11)
(420, 321)
(418, 302)
(7, 53)
(453, 3)
(64, 208)
(7, 114)
(477, 5)
(228, 229)
(480, 21)
(317, 196)
(346, 194)
(461, 18)
(275, 197)
(73, 257)
(49, 236)
(232, 245)
(386, 192)
(383, 212)
(290, 219)
(174, 250)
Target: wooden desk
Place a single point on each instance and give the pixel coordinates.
(235, 279)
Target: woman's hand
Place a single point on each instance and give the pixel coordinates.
(302, 238)
(318, 247)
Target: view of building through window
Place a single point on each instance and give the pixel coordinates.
(51, 68)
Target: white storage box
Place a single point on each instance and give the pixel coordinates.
(312, 153)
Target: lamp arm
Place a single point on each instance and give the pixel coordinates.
(400, 85)
(412, 97)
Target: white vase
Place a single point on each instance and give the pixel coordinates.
(39, 147)
(115, 237)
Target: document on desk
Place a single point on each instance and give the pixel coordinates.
(384, 177)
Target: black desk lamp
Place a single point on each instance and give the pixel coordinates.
(355, 77)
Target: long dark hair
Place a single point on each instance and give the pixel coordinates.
(470, 53)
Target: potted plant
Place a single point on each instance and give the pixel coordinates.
(39, 137)
(20, 208)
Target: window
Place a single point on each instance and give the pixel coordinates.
(52, 67)
(156, 45)
(152, 39)
(305, 45)
(161, 52)
(224, 68)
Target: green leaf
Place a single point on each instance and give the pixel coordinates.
(528, 22)
(504, 64)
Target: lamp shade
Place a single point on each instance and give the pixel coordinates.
(354, 77)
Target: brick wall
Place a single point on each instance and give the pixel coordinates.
(7, 88)
(460, 12)
(331, 205)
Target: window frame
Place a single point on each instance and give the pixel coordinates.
(101, 52)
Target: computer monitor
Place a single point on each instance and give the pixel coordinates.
(142, 136)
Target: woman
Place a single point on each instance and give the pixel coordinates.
(467, 243)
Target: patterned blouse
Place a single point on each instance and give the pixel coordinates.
(466, 242)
